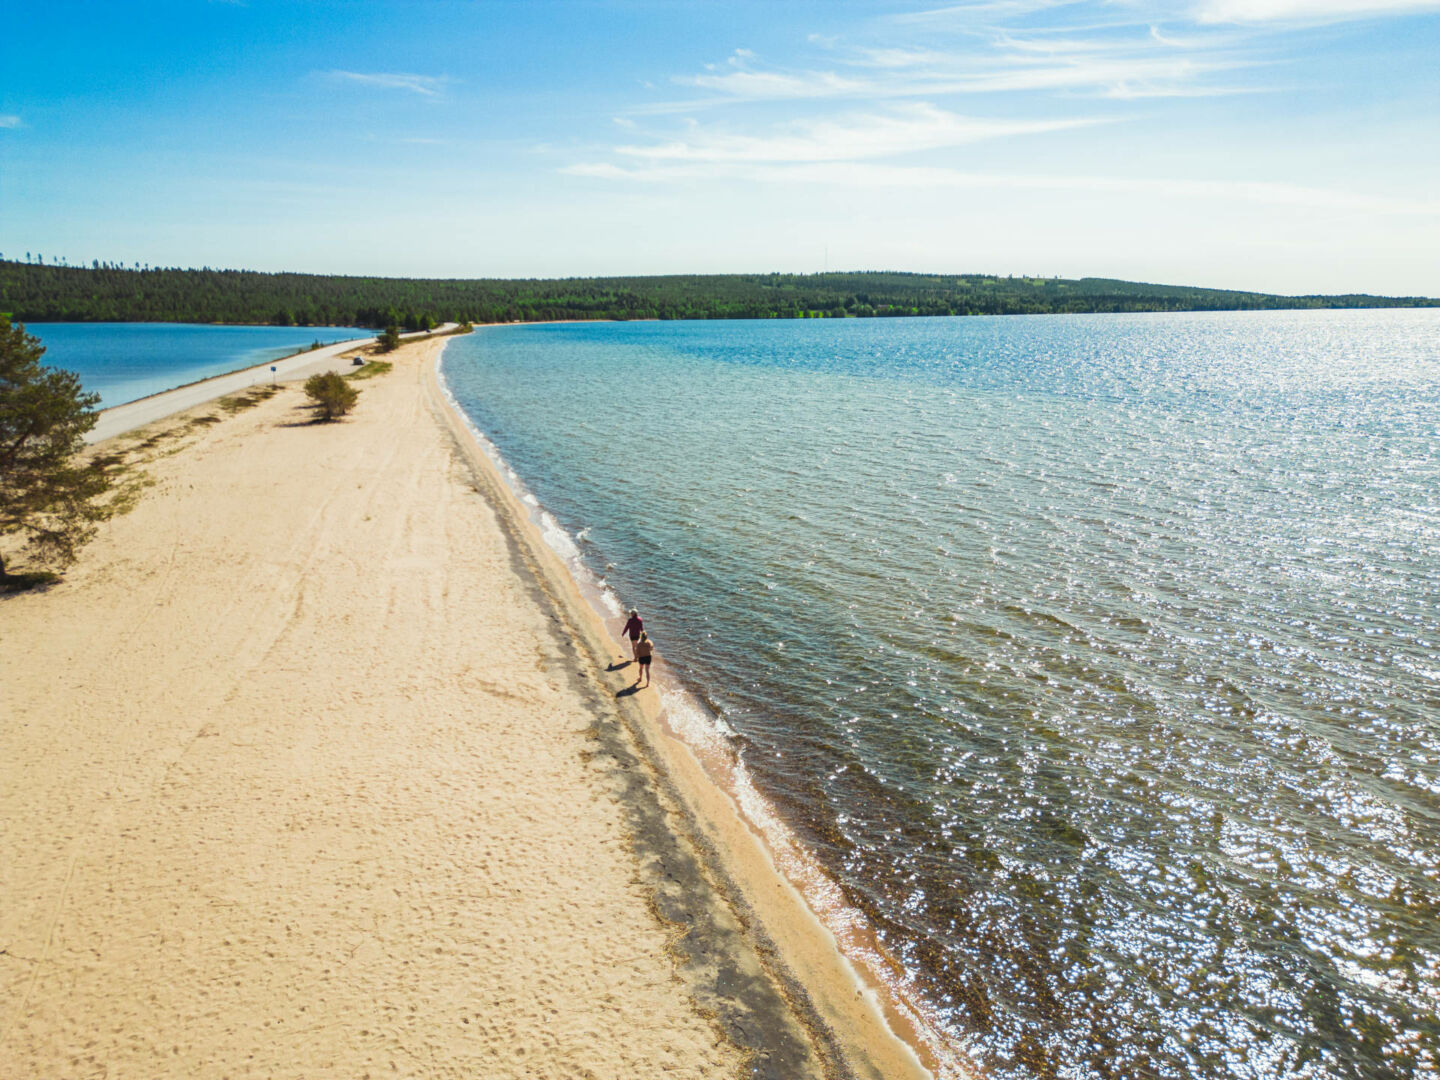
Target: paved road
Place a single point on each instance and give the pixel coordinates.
(135, 414)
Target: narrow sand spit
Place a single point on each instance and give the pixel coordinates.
(305, 773)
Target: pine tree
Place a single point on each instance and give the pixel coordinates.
(44, 415)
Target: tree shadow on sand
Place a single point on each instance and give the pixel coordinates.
(316, 419)
(27, 582)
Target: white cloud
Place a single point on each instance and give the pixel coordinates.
(1122, 77)
(1203, 39)
(425, 85)
(1126, 92)
(868, 175)
(1258, 11)
(1155, 75)
(1139, 62)
(904, 129)
(1054, 45)
(967, 12)
(974, 15)
(773, 85)
(9, 120)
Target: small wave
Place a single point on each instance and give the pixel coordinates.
(1041, 619)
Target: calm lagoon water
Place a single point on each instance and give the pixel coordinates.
(1096, 657)
(125, 361)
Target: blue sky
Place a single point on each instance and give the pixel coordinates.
(1285, 145)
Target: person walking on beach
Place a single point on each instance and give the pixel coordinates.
(643, 648)
(634, 630)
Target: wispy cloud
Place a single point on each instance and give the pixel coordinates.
(967, 13)
(904, 129)
(870, 175)
(10, 120)
(1140, 62)
(1106, 77)
(425, 85)
(778, 85)
(1262, 11)
(895, 58)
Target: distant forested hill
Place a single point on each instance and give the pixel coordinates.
(34, 292)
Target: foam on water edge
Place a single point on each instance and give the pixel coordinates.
(713, 742)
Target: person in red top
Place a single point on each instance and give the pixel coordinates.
(633, 630)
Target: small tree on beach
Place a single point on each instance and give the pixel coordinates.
(44, 415)
(332, 395)
(389, 341)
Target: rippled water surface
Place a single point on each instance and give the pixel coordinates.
(1097, 657)
(125, 361)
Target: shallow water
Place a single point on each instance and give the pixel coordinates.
(1094, 656)
(125, 361)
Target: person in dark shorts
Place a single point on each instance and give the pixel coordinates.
(643, 648)
(634, 630)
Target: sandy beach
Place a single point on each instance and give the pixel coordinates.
(313, 766)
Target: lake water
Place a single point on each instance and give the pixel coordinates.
(125, 361)
(1095, 657)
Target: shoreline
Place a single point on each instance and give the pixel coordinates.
(823, 942)
(236, 371)
(297, 783)
(156, 407)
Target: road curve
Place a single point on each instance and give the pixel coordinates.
(135, 414)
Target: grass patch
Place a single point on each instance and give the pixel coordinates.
(127, 492)
(370, 370)
(156, 439)
(248, 400)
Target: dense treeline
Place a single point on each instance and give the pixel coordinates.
(37, 292)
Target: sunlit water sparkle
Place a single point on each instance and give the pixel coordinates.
(1094, 657)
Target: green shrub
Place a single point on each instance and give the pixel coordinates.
(332, 395)
(389, 341)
